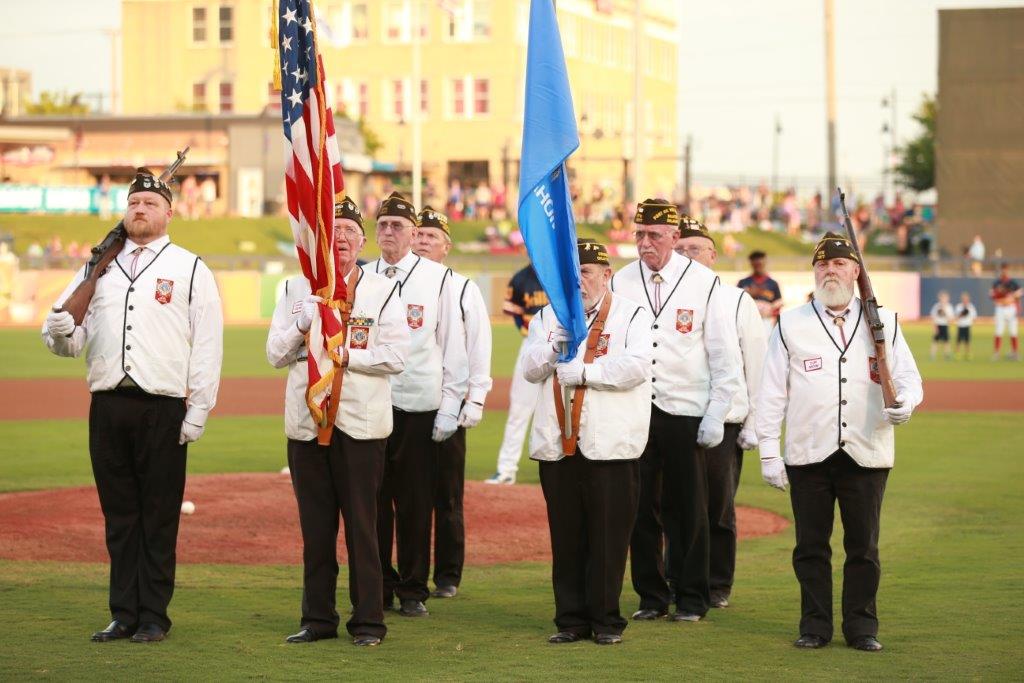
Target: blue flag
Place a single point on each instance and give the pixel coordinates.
(545, 205)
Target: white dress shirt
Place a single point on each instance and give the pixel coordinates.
(616, 414)
(436, 375)
(156, 317)
(476, 323)
(819, 380)
(365, 408)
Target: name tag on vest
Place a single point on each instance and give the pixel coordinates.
(812, 364)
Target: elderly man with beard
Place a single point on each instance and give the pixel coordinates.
(591, 480)
(821, 380)
(346, 474)
(153, 343)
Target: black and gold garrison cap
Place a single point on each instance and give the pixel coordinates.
(397, 205)
(833, 245)
(429, 218)
(347, 208)
(145, 181)
(656, 212)
(592, 251)
(691, 227)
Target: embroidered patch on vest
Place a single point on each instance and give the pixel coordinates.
(684, 319)
(164, 289)
(358, 336)
(873, 370)
(602, 345)
(414, 316)
(812, 364)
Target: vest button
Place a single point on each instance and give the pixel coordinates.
(654, 344)
(652, 397)
(842, 360)
(843, 401)
(842, 443)
(653, 362)
(131, 308)
(131, 289)
(843, 380)
(844, 424)
(129, 327)
(127, 368)
(654, 379)
(655, 325)
(128, 347)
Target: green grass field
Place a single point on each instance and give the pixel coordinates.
(950, 602)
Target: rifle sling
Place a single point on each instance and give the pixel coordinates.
(326, 428)
(569, 445)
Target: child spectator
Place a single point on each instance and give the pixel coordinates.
(942, 314)
(965, 315)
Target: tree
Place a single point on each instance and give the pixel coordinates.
(58, 104)
(371, 140)
(916, 167)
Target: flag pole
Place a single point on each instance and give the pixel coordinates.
(415, 97)
(567, 400)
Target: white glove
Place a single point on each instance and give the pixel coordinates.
(189, 433)
(571, 374)
(59, 324)
(559, 334)
(471, 415)
(308, 311)
(773, 470)
(711, 432)
(898, 414)
(444, 427)
(747, 439)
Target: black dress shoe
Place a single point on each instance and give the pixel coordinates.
(308, 635)
(115, 631)
(564, 637)
(810, 641)
(366, 641)
(866, 644)
(413, 608)
(607, 639)
(649, 614)
(445, 592)
(389, 604)
(149, 633)
(683, 615)
(719, 600)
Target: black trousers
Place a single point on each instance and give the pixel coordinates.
(406, 505)
(591, 508)
(449, 522)
(723, 463)
(814, 490)
(673, 504)
(345, 476)
(139, 469)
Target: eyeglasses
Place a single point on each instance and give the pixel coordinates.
(651, 235)
(692, 250)
(349, 232)
(391, 226)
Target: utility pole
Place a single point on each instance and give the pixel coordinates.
(775, 156)
(687, 157)
(638, 100)
(416, 95)
(113, 33)
(830, 95)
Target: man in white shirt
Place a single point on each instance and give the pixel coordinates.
(725, 461)
(433, 241)
(153, 342)
(695, 376)
(821, 378)
(346, 474)
(427, 401)
(591, 480)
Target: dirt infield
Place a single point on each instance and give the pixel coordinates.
(252, 519)
(34, 399)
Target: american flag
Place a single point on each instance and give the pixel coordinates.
(312, 179)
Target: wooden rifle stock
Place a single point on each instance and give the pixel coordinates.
(870, 304)
(103, 254)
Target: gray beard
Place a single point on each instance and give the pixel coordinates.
(833, 297)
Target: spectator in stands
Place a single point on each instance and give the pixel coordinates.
(977, 253)
(764, 290)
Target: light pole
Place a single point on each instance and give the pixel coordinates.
(775, 155)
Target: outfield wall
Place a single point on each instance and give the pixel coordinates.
(249, 296)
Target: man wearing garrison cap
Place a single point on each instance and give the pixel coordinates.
(433, 241)
(591, 481)
(695, 377)
(725, 460)
(152, 336)
(346, 474)
(821, 379)
(427, 399)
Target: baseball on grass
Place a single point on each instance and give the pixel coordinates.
(188, 507)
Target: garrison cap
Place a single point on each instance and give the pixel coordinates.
(145, 181)
(397, 205)
(833, 245)
(656, 212)
(347, 208)
(691, 227)
(592, 251)
(429, 218)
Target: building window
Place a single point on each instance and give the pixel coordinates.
(481, 97)
(397, 109)
(198, 24)
(199, 96)
(227, 104)
(360, 21)
(459, 98)
(364, 100)
(424, 20)
(227, 23)
(396, 24)
(481, 18)
(467, 20)
(424, 97)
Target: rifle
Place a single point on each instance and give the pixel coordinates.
(870, 304)
(103, 254)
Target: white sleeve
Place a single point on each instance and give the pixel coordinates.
(72, 346)
(284, 340)
(753, 345)
(539, 356)
(478, 342)
(630, 368)
(773, 396)
(451, 337)
(206, 319)
(386, 356)
(722, 350)
(905, 375)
